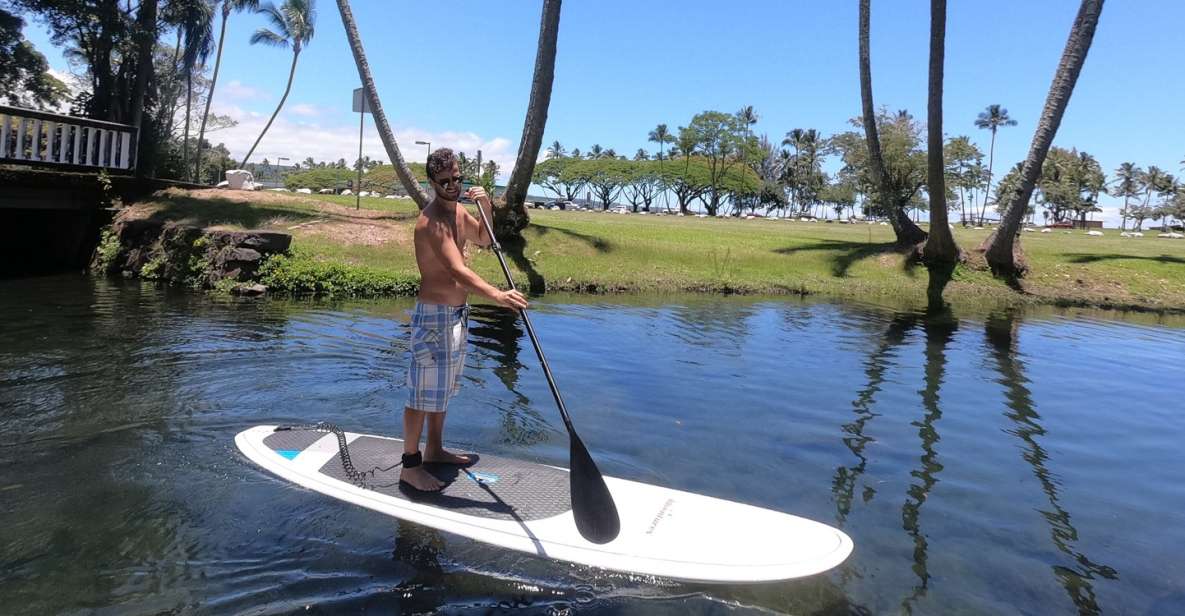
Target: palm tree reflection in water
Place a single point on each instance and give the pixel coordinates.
(498, 331)
(1001, 330)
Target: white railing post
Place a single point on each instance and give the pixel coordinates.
(63, 142)
(125, 151)
(5, 121)
(20, 139)
(35, 141)
(78, 144)
(50, 129)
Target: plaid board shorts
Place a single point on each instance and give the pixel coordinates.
(439, 338)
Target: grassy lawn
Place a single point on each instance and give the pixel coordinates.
(600, 252)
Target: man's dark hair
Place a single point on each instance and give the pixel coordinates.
(440, 160)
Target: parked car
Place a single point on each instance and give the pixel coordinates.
(563, 205)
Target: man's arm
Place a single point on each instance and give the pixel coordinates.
(476, 229)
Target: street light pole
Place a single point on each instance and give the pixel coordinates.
(427, 143)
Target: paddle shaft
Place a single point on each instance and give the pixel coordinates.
(559, 401)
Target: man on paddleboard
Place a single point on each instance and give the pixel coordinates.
(440, 321)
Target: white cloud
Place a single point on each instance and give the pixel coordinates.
(236, 90)
(304, 109)
(295, 138)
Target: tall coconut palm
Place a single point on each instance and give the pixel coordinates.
(1001, 249)
(1127, 185)
(197, 21)
(940, 251)
(662, 136)
(906, 231)
(409, 182)
(515, 216)
(596, 151)
(555, 150)
(294, 22)
(991, 119)
(228, 6)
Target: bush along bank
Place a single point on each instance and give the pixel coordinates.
(185, 255)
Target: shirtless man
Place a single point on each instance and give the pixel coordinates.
(441, 318)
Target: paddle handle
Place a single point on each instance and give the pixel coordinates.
(555, 392)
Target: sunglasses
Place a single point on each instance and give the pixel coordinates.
(448, 182)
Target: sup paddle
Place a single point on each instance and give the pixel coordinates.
(592, 505)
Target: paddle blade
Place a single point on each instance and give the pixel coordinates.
(592, 505)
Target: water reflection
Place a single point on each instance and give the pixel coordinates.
(121, 490)
(939, 327)
(1001, 333)
(499, 332)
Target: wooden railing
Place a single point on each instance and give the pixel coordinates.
(40, 138)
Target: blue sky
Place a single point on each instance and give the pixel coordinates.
(461, 76)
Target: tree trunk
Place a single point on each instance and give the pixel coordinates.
(528, 149)
(287, 89)
(188, 99)
(940, 246)
(146, 19)
(197, 166)
(172, 103)
(987, 194)
(906, 231)
(410, 184)
(1001, 246)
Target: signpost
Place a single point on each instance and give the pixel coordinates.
(362, 106)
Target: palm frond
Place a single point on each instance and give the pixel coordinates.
(276, 16)
(267, 37)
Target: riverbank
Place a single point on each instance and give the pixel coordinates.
(340, 250)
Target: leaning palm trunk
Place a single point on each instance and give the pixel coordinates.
(197, 166)
(515, 218)
(287, 89)
(409, 182)
(1002, 250)
(906, 231)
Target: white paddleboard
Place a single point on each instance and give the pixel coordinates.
(525, 506)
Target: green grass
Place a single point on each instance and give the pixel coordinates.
(599, 252)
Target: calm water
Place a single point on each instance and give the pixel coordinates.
(990, 464)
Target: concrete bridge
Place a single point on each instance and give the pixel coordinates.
(58, 175)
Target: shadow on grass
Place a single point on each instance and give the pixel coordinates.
(1082, 257)
(592, 240)
(516, 249)
(208, 212)
(847, 253)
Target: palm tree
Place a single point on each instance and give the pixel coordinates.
(596, 151)
(227, 7)
(1000, 247)
(409, 182)
(555, 150)
(992, 119)
(1152, 181)
(536, 119)
(940, 251)
(293, 22)
(196, 24)
(904, 229)
(1127, 185)
(662, 136)
(146, 31)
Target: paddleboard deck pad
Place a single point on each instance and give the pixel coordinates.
(527, 507)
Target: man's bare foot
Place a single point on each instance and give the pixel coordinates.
(443, 456)
(420, 479)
